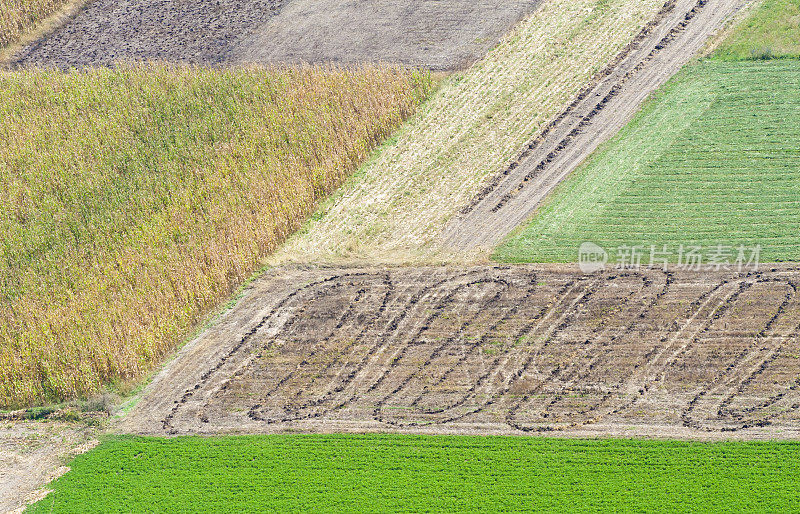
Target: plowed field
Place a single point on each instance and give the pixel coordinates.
(436, 34)
(494, 350)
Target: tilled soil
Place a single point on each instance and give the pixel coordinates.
(677, 34)
(493, 350)
(437, 34)
(186, 31)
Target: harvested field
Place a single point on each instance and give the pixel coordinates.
(494, 142)
(493, 350)
(677, 34)
(436, 34)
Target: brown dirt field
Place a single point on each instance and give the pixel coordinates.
(436, 34)
(493, 350)
(679, 32)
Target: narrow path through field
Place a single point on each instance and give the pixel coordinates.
(681, 29)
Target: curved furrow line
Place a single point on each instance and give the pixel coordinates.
(237, 348)
(731, 380)
(378, 414)
(392, 326)
(713, 303)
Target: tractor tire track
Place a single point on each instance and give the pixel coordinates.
(599, 111)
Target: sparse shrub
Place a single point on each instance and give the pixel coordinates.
(104, 402)
(39, 412)
(762, 54)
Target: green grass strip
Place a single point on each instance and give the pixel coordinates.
(378, 473)
(713, 159)
(772, 31)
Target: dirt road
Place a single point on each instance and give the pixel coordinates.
(493, 350)
(437, 34)
(678, 33)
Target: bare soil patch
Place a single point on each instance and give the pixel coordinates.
(437, 34)
(107, 31)
(32, 454)
(493, 350)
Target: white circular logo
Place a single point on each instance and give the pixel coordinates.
(592, 258)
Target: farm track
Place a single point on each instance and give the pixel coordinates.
(600, 110)
(493, 350)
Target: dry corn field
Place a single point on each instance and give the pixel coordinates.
(162, 189)
(19, 16)
(523, 349)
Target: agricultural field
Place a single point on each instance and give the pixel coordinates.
(771, 32)
(135, 200)
(434, 34)
(600, 110)
(35, 452)
(18, 17)
(711, 160)
(492, 350)
(384, 473)
(305, 251)
(394, 209)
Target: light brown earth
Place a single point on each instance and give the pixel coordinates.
(434, 34)
(493, 350)
(32, 454)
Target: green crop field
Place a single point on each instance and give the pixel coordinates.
(713, 159)
(772, 31)
(375, 473)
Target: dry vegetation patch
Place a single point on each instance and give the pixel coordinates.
(18, 16)
(133, 200)
(473, 128)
